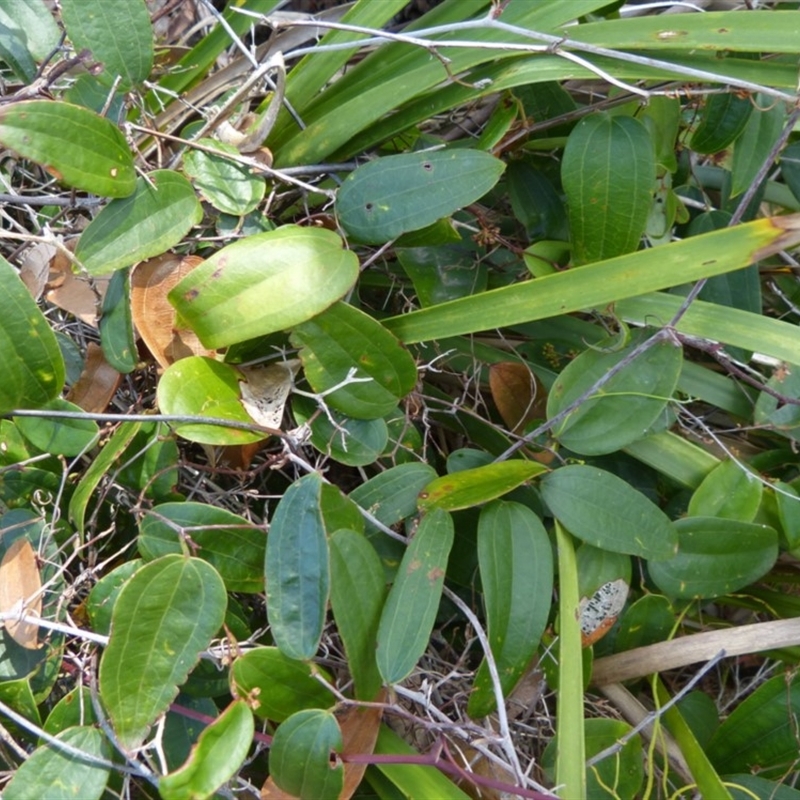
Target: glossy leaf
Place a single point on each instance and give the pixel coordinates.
(715, 557)
(410, 609)
(215, 759)
(729, 491)
(605, 511)
(608, 206)
(296, 569)
(648, 620)
(343, 339)
(264, 283)
(358, 591)
(14, 52)
(516, 567)
(66, 437)
(33, 367)
(756, 142)
(118, 34)
(760, 732)
(159, 213)
(231, 544)
(278, 686)
(201, 387)
(79, 147)
(229, 187)
(745, 787)
(471, 487)
(392, 195)
(300, 757)
(722, 121)
(165, 615)
(101, 600)
(622, 411)
(116, 324)
(52, 774)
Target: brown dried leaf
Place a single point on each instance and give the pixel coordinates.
(155, 317)
(20, 591)
(35, 267)
(80, 295)
(98, 382)
(515, 393)
(264, 390)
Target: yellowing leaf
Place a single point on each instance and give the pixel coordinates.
(20, 591)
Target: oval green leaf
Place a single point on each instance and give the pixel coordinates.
(623, 410)
(278, 686)
(761, 732)
(605, 511)
(164, 617)
(296, 569)
(231, 544)
(729, 491)
(34, 18)
(79, 147)
(392, 195)
(516, 567)
(201, 387)
(608, 173)
(154, 218)
(117, 336)
(264, 283)
(358, 591)
(64, 437)
(230, 187)
(33, 367)
(471, 487)
(344, 340)
(55, 774)
(715, 557)
(300, 760)
(118, 34)
(722, 119)
(215, 759)
(410, 610)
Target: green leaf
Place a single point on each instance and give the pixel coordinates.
(757, 140)
(117, 336)
(264, 283)
(745, 787)
(50, 773)
(715, 557)
(729, 491)
(608, 205)
(622, 411)
(79, 501)
(64, 437)
(164, 617)
(410, 610)
(117, 32)
(79, 147)
(605, 511)
(33, 367)
(215, 759)
(342, 340)
(516, 567)
(471, 487)
(300, 757)
(231, 544)
(101, 600)
(33, 18)
(608, 282)
(154, 218)
(230, 187)
(392, 195)
(355, 442)
(536, 203)
(358, 591)
(760, 732)
(199, 386)
(14, 52)
(278, 686)
(647, 621)
(296, 569)
(722, 121)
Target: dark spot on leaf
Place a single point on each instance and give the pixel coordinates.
(192, 294)
(368, 207)
(435, 574)
(712, 261)
(723, 30)
(217, 272)
(427, 166)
